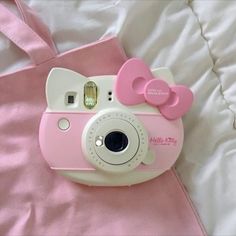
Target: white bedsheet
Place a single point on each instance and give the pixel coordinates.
(197, 40)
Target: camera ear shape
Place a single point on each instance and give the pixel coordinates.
(165, 74)
(61, 81)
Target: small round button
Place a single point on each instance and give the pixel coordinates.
(63, 124)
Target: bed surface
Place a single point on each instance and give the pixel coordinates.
(197, 40)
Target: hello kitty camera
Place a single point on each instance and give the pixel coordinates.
(113, 130)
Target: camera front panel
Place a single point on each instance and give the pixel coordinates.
(130, 151)
(62, 148)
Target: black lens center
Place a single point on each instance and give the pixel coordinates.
(116, 141)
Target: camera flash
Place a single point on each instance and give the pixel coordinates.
(90, 95)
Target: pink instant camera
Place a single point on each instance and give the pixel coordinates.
(113, 130)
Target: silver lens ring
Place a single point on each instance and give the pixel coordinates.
(104, 123)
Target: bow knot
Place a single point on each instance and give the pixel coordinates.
(135, 84)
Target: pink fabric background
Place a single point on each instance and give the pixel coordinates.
(34, 200)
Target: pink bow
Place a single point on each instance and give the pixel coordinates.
(135, 84)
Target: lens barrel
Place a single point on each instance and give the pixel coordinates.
(116, 141)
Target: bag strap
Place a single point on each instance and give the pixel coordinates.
(31, 18)
(23, 35)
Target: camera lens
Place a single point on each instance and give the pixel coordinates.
(116, 141)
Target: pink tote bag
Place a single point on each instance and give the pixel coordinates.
(34, 200)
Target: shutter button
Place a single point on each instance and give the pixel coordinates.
(63, 124)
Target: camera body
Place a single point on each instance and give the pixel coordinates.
(87, 135)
